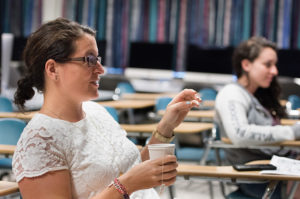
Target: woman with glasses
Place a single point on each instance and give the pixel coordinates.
(249, 111)
(73, 148)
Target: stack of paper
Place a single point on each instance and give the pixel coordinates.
(285, 166)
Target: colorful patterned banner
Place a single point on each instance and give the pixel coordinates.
(206, 23)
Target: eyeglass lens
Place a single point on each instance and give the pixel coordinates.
(92, 60)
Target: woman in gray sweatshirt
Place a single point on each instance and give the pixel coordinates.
(249, 111)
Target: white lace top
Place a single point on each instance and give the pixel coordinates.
(95, 150)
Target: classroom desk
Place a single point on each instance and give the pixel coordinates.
(283, 102)
(288, 121)
(154, 96)
(129, 105)
(105, 95)
(120, 104)
(288, 143)
(211, 103)
(23, 116)
(211, 113)
(196, 113)
(146, 96)
(207, 103)
(227, 173)
(8, 188)
(125, 104)
(184, 127)
(225, 143)
(201, 113)
(7, 149)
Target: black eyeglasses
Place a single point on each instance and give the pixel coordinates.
(90, 59)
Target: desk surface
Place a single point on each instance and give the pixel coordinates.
(135, 104)
(184, 127)
(227, 172)
(124, 104)
(207, 103)
(19, 115)
(288, 121)
(196, 113)
(8, 188)
(211, 114)
(7, 149)
(283, 102)
(146, 96)
(154, 96)
(289, 143)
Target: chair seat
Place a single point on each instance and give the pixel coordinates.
(195, 154)
(134, 140)
(189, 153)
(5, 163)
(238, 194)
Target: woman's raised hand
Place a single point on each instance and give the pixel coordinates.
(177, 109)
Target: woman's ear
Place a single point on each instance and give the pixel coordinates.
(51, 69)
(246, 65)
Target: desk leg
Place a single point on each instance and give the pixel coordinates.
(270, 189)
(131, 116)
(293, 190)
(205, 154)
(171, 191)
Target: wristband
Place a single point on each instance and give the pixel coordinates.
(120, 188)
(161, 137)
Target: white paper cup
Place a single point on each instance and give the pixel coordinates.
(160, 150)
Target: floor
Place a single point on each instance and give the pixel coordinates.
(194, 189)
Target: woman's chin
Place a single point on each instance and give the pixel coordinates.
(267, 85)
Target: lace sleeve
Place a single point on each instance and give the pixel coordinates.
(37, 153)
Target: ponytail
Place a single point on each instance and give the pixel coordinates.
(24, 92)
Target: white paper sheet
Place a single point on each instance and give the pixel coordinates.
(285, 166)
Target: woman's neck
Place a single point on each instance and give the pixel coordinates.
(62, 108)
(244, 81)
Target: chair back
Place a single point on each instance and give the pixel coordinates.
(215, 133)
(162, 103)
(10, 130)
(124, 87)
(208, 94)
(113, 112)
(295, 101)
(5, 104)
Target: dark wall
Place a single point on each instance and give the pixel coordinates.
(216, 60)
(289, 63)
(151, 55)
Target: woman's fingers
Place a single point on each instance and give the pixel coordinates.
(186, 105)
(168, 182)
(166, 160)
(188, 98)
(168, 178)
(165, 174)
(185, 95)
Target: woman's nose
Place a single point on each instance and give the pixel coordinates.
(99, 68)
(274, 70)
